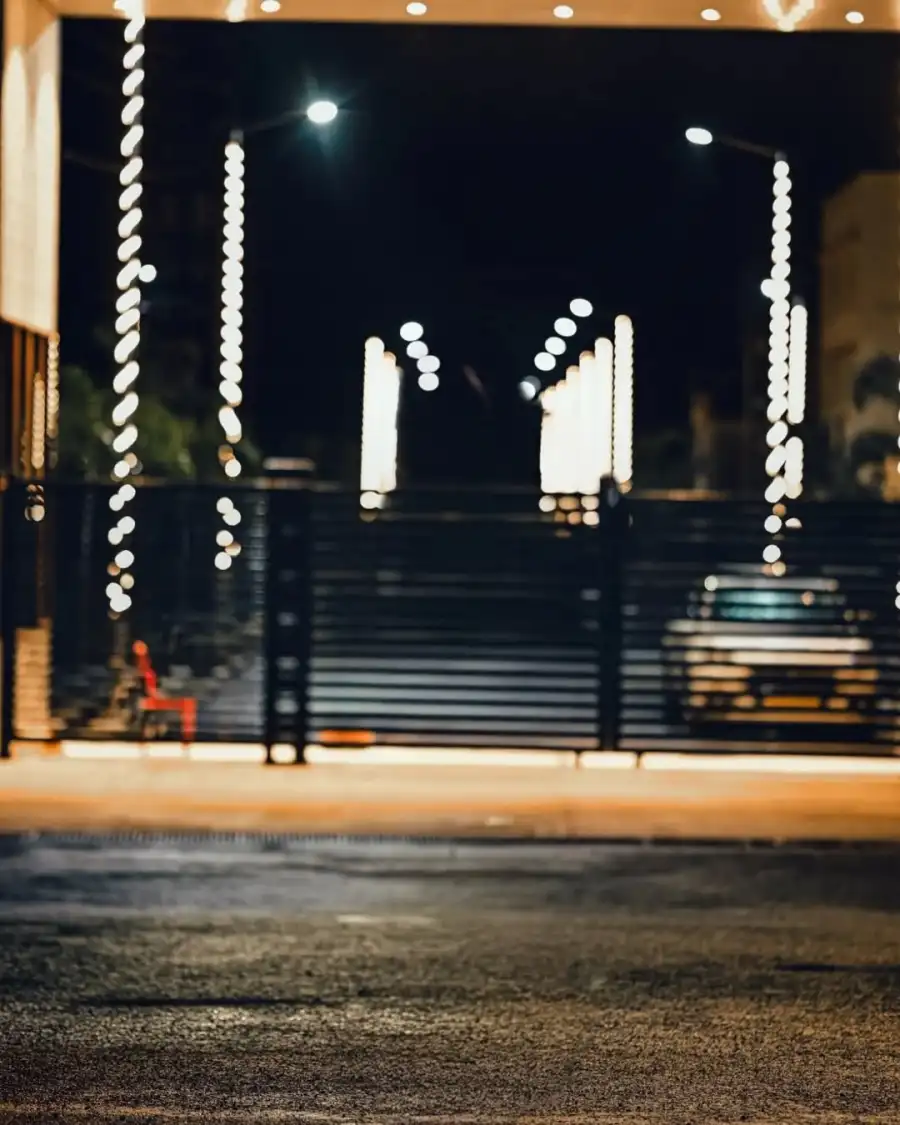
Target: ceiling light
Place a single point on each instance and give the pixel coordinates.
(711, 15)
(563, 12)
(270, 6)
(416, 8)
(855, 17)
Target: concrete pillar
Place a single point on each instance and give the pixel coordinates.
(29, 282)
(30, 166)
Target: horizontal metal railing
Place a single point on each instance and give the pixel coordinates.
(453, 618)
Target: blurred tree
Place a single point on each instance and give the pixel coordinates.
(872, 426)
(171, 445)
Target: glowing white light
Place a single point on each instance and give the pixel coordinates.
(270, 7)
(236, 11)
(565, 326)
(380, 407)
(411, 331)
(129, 277)
(603, 350)
(322, 112)
(563, 12)
(147, 274)
(429, 363)
(711, 15)
(416, 8)
(791, 19)
(528, 389)
(231, 346)
(696, 135)
(580, 307)
(855, 18)
(623, 401)
(428, 381)
(779, 411)
(417, 349)
(543, 361)
(576, 428)
(554, 345)
(796, 395)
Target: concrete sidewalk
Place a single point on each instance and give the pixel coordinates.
(56, 794)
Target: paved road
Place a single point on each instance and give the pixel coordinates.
(254, 982)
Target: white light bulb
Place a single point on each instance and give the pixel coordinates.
(581, 307)
(428, 381)
(563, 12)
(543, 361)
(554, 345)
(416, 8)
(322, 112)
(417, 349)
(565, 326)
(429, 363)
(411, 331)
(711, 15)
(697, 135)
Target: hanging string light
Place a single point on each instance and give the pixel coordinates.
(232, 340)
(796, 396)
(128, 303)
(778, 290)
(623, 401)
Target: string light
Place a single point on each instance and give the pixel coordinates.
(381, 406)
(232, 339)
(53, 398)
(623, 401)
(779, 333)
(128, 303)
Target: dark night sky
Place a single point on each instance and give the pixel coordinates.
(476, 180)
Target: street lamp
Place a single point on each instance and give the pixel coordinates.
(231, 347)
(787, 344)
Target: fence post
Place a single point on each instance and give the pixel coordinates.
(8, 580)
(613, 530)
(288, 607)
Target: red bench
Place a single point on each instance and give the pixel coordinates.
(154, 700)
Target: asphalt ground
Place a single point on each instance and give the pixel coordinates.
(242, 979)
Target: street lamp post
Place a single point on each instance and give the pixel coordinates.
(231, 347)
(787, 347)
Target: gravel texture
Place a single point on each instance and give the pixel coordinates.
(296, 981)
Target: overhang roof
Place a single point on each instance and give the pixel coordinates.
(826, 15)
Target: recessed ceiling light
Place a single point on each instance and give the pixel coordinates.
(416, 8)
(711, 15)
(563, 12)
(855, 17)
(270, 6)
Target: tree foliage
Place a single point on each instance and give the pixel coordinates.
(172, 444)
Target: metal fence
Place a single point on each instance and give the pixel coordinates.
(471, 619)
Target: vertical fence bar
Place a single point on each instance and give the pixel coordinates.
(8, 578)
(288, 611)
(613, 530)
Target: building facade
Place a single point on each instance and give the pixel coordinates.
(859, 294)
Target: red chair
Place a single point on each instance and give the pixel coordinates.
(154, 700)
